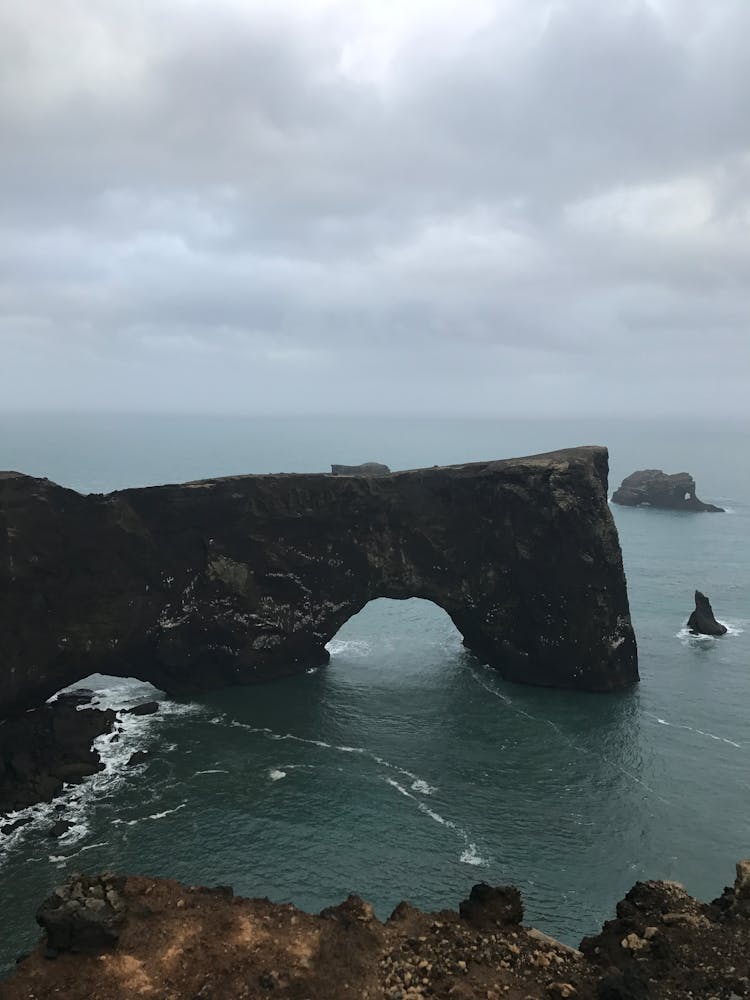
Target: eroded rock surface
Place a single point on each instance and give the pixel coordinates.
(230, 581)
(45, 748)
(654, 488)
(701, 620)
(84, 915)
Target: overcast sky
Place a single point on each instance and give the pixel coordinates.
(439, 206)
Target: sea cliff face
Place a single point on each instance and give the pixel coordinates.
(236, 580)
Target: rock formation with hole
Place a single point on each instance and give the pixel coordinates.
(243, 579)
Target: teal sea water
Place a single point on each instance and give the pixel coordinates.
(406, 768)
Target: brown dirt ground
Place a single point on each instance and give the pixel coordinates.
(188, 943)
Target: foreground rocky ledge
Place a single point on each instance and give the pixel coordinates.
(230, 581)
(159, 939)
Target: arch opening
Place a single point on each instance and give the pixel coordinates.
(402, 633)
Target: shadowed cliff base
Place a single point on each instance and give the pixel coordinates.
(116, 937)
(246, 578)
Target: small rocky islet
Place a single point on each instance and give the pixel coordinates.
(654, 488)
(702, 620)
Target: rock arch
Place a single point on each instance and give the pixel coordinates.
(247, 578)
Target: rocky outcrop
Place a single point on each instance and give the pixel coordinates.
(701, 620)
(654, 488)
(158, 938)
(236, 580)
(45, 748)
(84, 915)
(366, 469)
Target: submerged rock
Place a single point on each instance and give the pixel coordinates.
(654, 488)
(702, 620)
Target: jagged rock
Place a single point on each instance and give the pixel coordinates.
(366, 469)
(15, 824)
(354, 910)
(137, 758)
(243, 579)
(84, 915)
(489, 906)
(735, 900)
(79, 696)
(702, 621)
(621, 941)
(402, 911)
(43, 748)
(58, 828)
(148, 708)
(654, 488)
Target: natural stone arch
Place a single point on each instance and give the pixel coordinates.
(373, 628)
(247, 578)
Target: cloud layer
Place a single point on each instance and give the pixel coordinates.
(519, 206)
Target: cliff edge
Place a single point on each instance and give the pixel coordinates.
(159, 939)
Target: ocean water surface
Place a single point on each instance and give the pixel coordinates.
(406, 768)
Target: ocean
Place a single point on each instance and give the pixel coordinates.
(406, 769)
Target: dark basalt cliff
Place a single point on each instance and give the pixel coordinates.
(246, 578)
(654, 488)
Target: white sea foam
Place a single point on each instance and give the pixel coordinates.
(167, 812)
(418, 783)
(699, 732)
(471, 856)
(134, 733)
(399, 788)
(689, 638)
(351, 647)
(275, 775)
(211, 770)
(422, 787)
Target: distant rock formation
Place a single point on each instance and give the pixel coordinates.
(366, 469)
(702, 620)
(654, 488)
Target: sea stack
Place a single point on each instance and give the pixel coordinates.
(702, 620)
(654, 488)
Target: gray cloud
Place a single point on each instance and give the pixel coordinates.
(510, 207)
